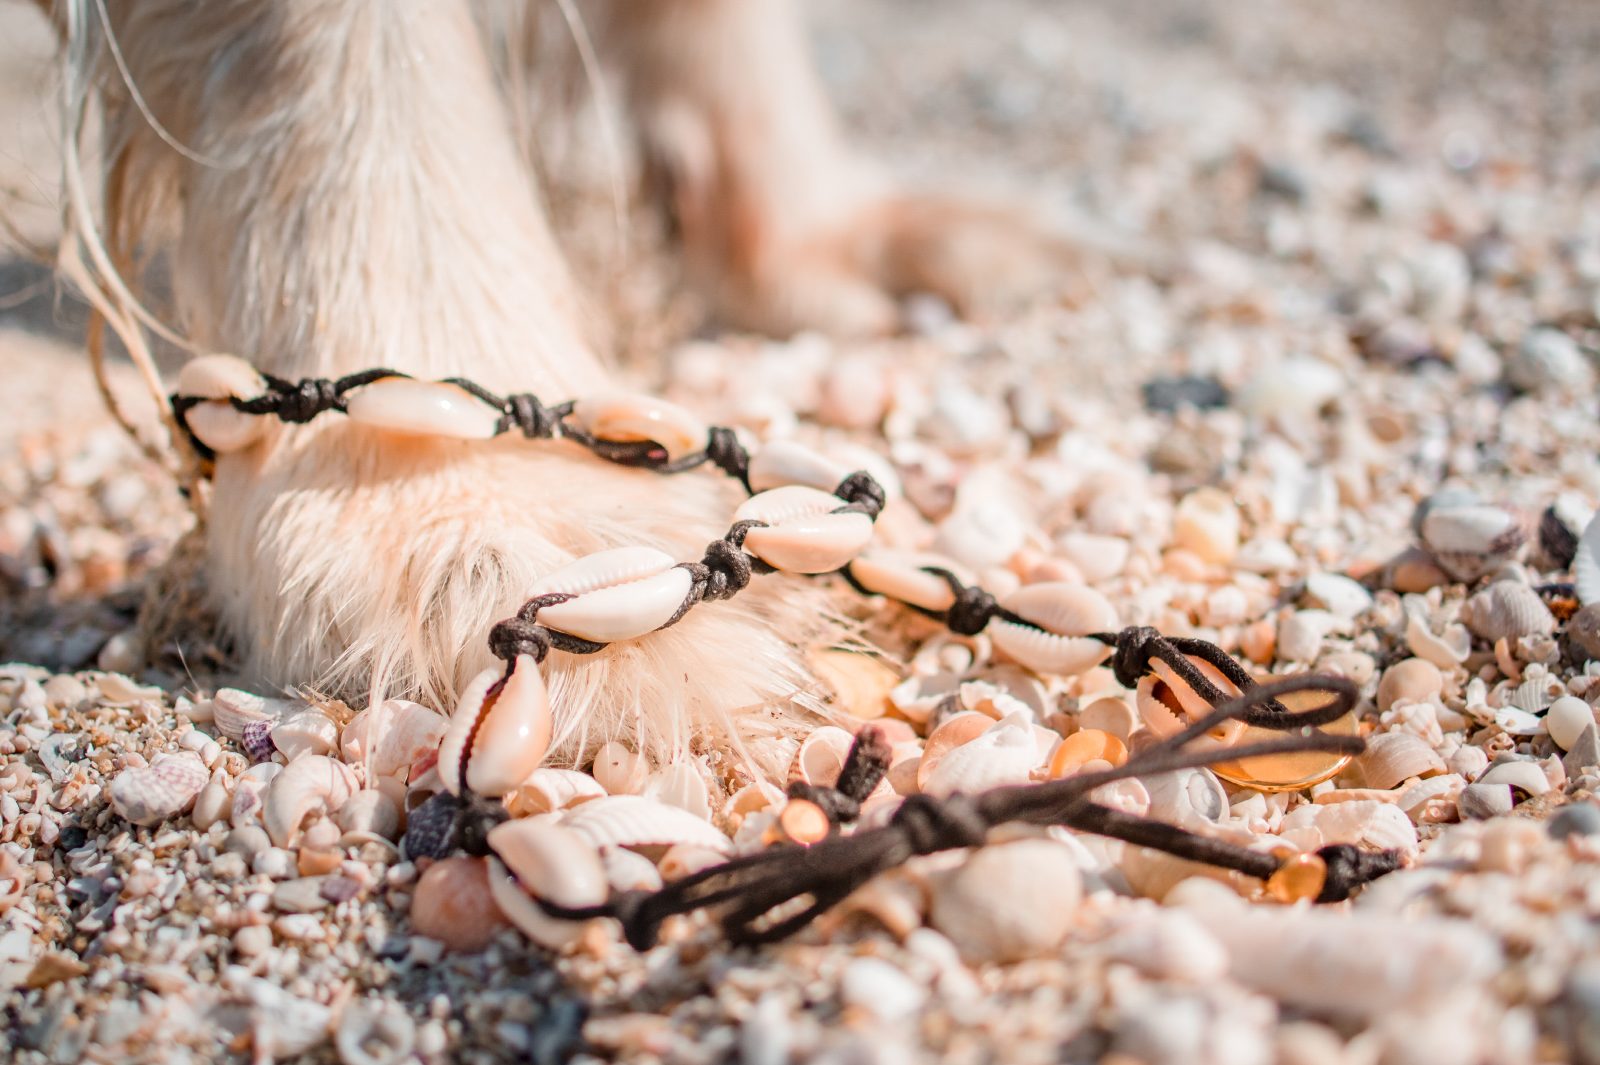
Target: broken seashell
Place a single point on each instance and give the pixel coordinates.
(312, 784)
(422, 408)
(1586, 563)
(805, 530)
(1393, 757)
(388, 738)
(1525, 777)
(1002, 755)
(860, 683)
(218, 379)
(1446, 650)
(784, 462)
(1113, 714)
(635, 821)
(500, 731)
(1059, 618)
(630, 419)
(1206, 521)
(547, 861)
(1084, 746)
(1507, 610)
(620, 771)
(234, 710)
(1471, 540)
(954, 732)
(821, 756)
(369, 812)
(547, 790)
(620, 594)
(149, 795)
(904, 578)
(307, 731)
(374, 1032)
(683, 784)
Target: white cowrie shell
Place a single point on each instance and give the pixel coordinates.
(218, 378)
(622, 594)
(551, 862)
(902, 577)
(508, 724)
(1061, 616)
(1162, 717)
(626, 419)
(785, 462)
(802, 535)
(422, 408)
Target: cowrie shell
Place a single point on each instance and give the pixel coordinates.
(1166, 704)
(622, 594)
(902, 577)
(1060, 616)
(216, 379)
(802, 535)
(626, 419)
(422, 408)
(550, 862)
(785, 462)
(499, 733)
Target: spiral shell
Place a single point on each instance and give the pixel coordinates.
(311, 784)
(1507, 610)
(1059, 616)
(233, 711)
(500, 731)
(620, 594)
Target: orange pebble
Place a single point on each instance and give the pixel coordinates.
(453, 904)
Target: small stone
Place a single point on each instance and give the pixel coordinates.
(1576, 819)
(1337, 594)
(453, 904)
(274, 862)
(253, 940)
(1549, 361)
(1479, 802)
(299, 896)
(1584, 753)
(1166, 395)
(248, 841)
(1583, 630)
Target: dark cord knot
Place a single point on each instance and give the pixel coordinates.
(1135, 645)
(519, 636)
(727, 569)
(724, 451)
(931, 825)
(523, 411)
(863, 493)
(298, 403)
(973, 609)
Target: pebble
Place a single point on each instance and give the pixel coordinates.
(299, 896)
(276, 863)
(1480, 801)
(248, 841)
(253, 940)
(1337, 594)
(1583, 630)
(1575, 819)
(453, 904)
(1206, 522)
(1549, 361)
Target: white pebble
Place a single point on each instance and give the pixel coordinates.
(881, 989)
(1566, 719)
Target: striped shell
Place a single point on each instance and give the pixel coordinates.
(149, 795)
(233, 711)
(1059, 618)
(627, 419)
(1394, 757)
(1470, 540)
(635, 821)
(548, 861)
(422, 408)
(821, 756)
(499, 733)
(1507, 610)
(389, 737)
(785, 462)
(308, 731)
(802, 533)
(548, 789)
(621, 594)
(903, 577)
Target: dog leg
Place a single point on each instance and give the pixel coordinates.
(337, 189)
(782, 222)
